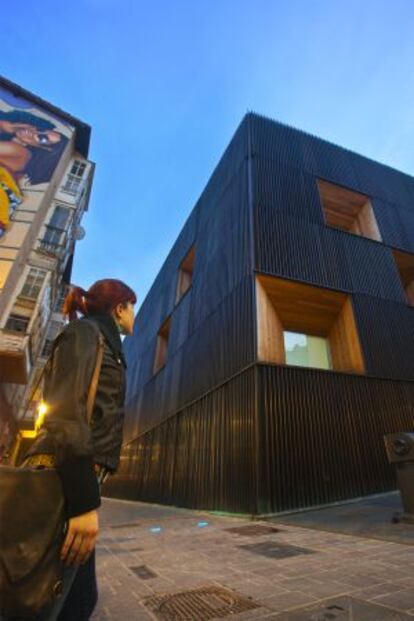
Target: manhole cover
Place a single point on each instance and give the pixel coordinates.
(143, 572)
(275, 550)
(252, 530)
(199, 604)
(344, 609)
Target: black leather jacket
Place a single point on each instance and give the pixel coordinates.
(65, 432)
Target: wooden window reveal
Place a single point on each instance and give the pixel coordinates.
(185, 275)
(162, 345)
(284, 305)
(405, 265)
(348, 210)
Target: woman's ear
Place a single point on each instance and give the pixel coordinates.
(118, 310)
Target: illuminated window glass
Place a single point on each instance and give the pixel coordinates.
(307, 351)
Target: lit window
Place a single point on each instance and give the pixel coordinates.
(162, 345)
(304, 325)
(185, 274)
(307, 351)
(348, 210)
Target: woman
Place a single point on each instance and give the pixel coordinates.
(84, 455)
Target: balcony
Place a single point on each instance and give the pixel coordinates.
(15, 358)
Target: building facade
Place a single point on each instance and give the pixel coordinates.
(276, 345)
(45, 183)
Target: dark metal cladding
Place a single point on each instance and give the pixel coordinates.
(202, 457)
(321, 435)
(386, 332)
(216, 429)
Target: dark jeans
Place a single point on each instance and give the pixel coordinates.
(83, 594)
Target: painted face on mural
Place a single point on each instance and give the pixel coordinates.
(30, 136)
(31, 146)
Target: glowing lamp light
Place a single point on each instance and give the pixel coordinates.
(41, 413)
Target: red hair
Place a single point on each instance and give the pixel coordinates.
(101, 298)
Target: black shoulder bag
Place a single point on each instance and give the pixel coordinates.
(32, 530)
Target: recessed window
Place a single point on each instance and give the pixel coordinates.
(348, 210)
(303, 325)
(33, 284)
(405, 265)
(307, 351)
(185, 274)
(17, 323)
(161, 349)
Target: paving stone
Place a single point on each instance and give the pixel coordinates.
(288, 600)
(402, 600)
(344, 609)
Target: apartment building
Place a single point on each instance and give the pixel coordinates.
(45, 184)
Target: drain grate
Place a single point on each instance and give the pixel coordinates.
(199, 604)
(252, 530)
(343, 609)
(270, 549)
(143, 572)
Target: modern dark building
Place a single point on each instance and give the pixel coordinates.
(276, 345)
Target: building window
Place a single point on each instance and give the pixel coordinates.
(33, 284)
(17, 323)
(56, 228)
(78, 168)
(162, 345)
(348, 210)
(74, 178)
(304, 325)
(307, 351)
(185, 274)
(405, 266)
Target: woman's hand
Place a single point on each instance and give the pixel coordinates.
(80, 538)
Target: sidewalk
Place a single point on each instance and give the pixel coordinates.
(165, 563)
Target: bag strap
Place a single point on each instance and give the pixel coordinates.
(95, 379)
(94, 382)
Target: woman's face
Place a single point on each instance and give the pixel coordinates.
(124, 317)
(32, 137)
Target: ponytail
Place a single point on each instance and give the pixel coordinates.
(102, 297)
(75, 302)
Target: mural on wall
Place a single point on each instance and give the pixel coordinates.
(31, 145)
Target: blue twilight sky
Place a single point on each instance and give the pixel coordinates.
(164, 85)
